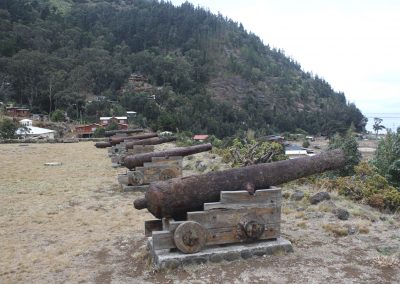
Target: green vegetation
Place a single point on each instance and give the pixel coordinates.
(7, 129)
(387, 157)
(57, 115)
(365, 186)
(244, 152)
(206, 73)
(349, 145)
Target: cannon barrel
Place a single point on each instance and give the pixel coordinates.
(102, 144)
(127, 131)
(117, 140)
(175, 197)
(138, 160)
(149, 141)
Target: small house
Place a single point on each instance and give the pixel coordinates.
(200, 137)
(28, 131)
(87, 130)
(295, 151)
(104, 121)
(17, 112)
(25, 122)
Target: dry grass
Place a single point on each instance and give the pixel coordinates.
(50, 216)
(336, 229)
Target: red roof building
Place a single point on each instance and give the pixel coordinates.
(200, 137)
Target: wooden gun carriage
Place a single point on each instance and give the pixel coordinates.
(231, 206)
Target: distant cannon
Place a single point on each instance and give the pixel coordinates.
(116, 140)
(175, 197)
(138, 160)
(122, 131)
(149, 141)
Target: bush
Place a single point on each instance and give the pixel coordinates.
(387, 156)
(243, 153)
(306, 144)
(349, 145)
(99, 132)
(368, 186)
(393, 174)
(7, 129)
(57, 115)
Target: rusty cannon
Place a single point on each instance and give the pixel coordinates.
(116, 140)
(138, 160)
(177, 196)
(149, 141)
(112, 141)
(102, 144)
(123, 131)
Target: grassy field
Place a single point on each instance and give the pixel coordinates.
(70, 224)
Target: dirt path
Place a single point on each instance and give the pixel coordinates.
(69, 223)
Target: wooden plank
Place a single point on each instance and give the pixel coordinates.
(260, 196)
(152, 225)
(232, 217)
(173, 225)
(134, 188)
(219, 205)
(163, 240)
(123, 179)
(227, 235)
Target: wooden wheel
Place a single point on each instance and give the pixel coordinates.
(169, 173)
(190, 237)
(136, 178)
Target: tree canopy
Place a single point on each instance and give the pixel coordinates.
(208, 74)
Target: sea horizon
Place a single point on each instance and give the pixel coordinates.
(389, 120)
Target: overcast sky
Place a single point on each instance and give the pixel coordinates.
(353, 44)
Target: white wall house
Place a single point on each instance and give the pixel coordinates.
(31, 132)
(117, 119)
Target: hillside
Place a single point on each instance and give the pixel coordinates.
(208, 73)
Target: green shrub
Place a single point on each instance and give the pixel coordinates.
(7, 129)
(247, 152)
(349, 145)
(367, 185)
(99, 132)
(57, 115)
(393, 174)
(387, 152)
(306, 144)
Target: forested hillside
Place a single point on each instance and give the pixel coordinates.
(207, 73)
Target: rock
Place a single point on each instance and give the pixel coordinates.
(351, 229)
(297, 195)
(201, 166)
(320, 196)
(231, 256)
(341, 213)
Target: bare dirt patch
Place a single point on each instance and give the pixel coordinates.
(69, 223)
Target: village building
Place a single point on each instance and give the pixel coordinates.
(120, 120)
(18, 112)
(86, 130)
(295, 151)
(200, 137)
(27, 131)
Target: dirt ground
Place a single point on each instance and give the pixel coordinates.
(70, 224)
